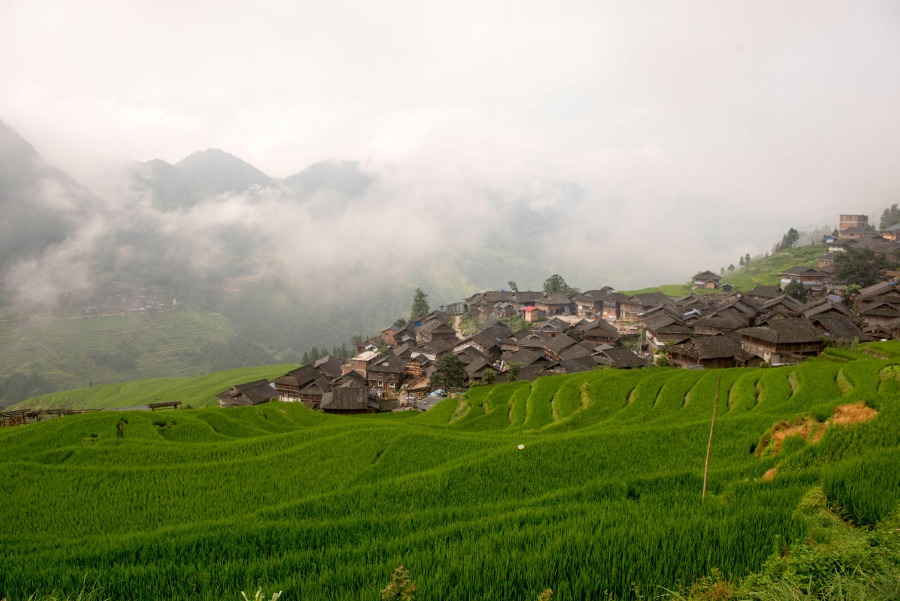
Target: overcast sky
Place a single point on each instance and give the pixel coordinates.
(660, 107)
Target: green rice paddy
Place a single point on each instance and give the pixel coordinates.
(604, 497)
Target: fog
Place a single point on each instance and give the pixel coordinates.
(621, 144)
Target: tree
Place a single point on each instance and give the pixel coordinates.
(796, 290)
(789, 239)
(890, 217)
(747, 259)
(741, 261)
(513, 286)
(556, 284)
(419, 305)
(399, 322)
(861, 267)
(488, 376)
(449, 372)
(731, 267)
(514, 368)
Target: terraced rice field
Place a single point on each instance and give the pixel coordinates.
(604, 497)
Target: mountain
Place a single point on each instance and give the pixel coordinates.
(202, 175)
(40, 204)
(225, 267)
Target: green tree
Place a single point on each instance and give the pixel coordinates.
(796, 290)
(419, 305)
(556, 284)
(741, 261)
(890, 217)
(399, 322)
(747, 259)
(514, 368)
(731, 267)
(513, 286)
(789, 239)
(859, 266)
(449, 372)
(488, 376)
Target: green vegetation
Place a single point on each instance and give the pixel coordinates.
(196, 392)
(419, 305)
(759, 271)
(585, 484)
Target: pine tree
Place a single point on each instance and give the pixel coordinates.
(419, 305)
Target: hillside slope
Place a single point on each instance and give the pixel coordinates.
(604, 496)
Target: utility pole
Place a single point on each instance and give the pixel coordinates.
(712, 427)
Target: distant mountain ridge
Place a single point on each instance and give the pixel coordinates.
(211, 173)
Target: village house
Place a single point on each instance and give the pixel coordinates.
(706, 279)
(384, 377)
(662, 327)
(600, 332)
(349, 400)
(619, 357)
(854, 232)
(361, 362)
(764, 293)
(709, 352)
(531, 314)
(846, 222)
(631, 308)
(435, 329)
(840, 329)
(589, 304)
(247, 394)
(288, 386)
(891, 233)
(788, 340)
(812, 279)
(555, 304)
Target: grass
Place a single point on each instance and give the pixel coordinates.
(199, 391)
(763, 271)
(603, 498)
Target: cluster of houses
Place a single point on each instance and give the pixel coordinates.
(714, 326)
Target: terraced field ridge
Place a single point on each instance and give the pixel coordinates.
(587, 484)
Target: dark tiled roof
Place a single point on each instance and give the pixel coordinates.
(706, 275)
(574, 352)
(300, 377)
(391, 364)
(876, 290)
(840, 327)
(578, 364)
(787, 330)
(620, 358)
(765, 292)
(714, 347)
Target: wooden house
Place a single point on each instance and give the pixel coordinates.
(555, 304)
(706, 279)
(710, 351)
(385, 376)
(599, 332)
(589, 304)
(435, 329)
(764, 293)
(249, 393)
(288, 386)
(619, 358)
(349, 400)
(781, 341)
(664, 328)
(361, 362)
